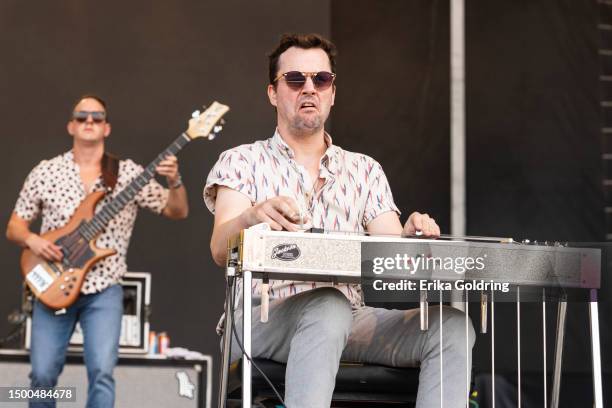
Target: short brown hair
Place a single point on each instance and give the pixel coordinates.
(305, 41)
(90, 96)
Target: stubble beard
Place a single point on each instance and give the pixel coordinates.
(306, 126)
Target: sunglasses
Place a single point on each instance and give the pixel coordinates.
(96, 116)
(296, 79)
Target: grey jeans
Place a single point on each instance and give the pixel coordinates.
(313, 330)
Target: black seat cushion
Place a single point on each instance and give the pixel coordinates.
(354, 381)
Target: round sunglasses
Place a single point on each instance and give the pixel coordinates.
(296, 79)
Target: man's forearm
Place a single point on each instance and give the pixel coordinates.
(18, 231)
(177, 206)
(220, 236)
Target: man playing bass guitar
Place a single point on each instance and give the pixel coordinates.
(55, 188)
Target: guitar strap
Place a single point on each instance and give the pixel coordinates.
(110, 170)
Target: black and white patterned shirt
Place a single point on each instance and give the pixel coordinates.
(54, 187)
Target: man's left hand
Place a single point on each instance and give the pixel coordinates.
(423, 223)
(169, 168)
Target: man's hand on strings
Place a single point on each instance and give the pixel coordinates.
(169, 168)
(44, 248)
(422, 225)
(281, 213)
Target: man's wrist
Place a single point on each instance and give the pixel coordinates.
(28, 239)
(174, 184)
(245, 218)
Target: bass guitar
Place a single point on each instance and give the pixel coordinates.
(58, 284)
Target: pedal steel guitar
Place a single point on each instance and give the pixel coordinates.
(258, 252)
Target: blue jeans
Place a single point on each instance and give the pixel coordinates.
(100, 318)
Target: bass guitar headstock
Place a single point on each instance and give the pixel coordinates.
(208, 123)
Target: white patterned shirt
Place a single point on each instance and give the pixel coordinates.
(354, 192)
(54, 188)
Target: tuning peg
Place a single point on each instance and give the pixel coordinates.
(217, 128)
(212, 135)
(222, 121)
(525, 241)
(195, 114)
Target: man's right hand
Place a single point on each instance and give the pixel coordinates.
(43, 248)
(281, 213)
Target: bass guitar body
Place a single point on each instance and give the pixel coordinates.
(58, 284)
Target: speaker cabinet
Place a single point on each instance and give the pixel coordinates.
(141, 381)
(134, 337)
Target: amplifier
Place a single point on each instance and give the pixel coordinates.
(134, 336)
(140, 381)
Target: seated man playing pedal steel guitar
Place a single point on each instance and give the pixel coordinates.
(312, 326)
(56, 187)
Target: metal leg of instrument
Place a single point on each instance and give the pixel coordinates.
(518, 344)
(544, 343)
(556, 387)
(493, 349)
(247, 279)
(227, 340)
(595, 350)
(424, 310)
(483, 313)
(468, 368)
(441, 356)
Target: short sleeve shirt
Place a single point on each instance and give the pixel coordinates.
(354, 192)
(54, 190)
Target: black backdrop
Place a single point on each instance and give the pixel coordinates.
(533, 120)
(393, 97)
(533, 147)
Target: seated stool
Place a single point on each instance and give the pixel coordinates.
(357, 385)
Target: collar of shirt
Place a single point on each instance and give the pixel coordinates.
(329, 160)
(68, 158)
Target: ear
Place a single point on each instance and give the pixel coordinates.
(272, 94)
(333, 94)
(107, 129)
(70, 127)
